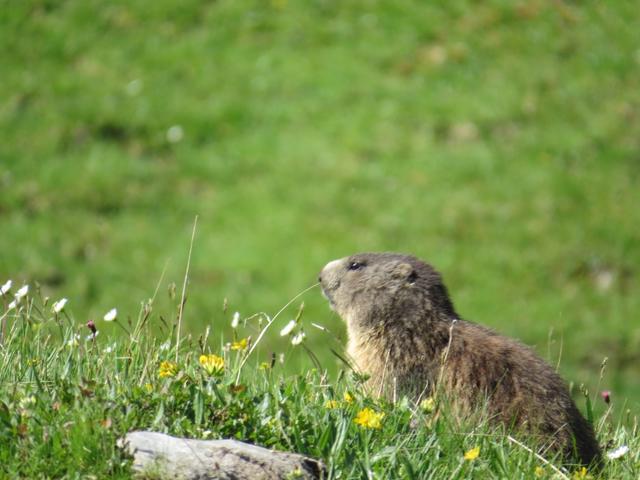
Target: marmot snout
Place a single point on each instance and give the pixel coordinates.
(404, 332)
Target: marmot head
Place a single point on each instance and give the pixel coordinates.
(366, 289)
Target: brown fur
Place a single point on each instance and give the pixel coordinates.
(404, 332)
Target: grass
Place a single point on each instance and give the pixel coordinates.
(68, 396)
(497, 140)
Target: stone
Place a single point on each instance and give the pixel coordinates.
(159, 456)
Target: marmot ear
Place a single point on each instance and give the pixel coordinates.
(403, 270)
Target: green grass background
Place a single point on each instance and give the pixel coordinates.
(498, 140)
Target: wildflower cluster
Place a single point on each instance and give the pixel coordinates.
(212, 364)
(261, 408)
(17, 297)
(235, 321)
(618, 452)
(167, 369)
(5, 288)
(472, 454)
(581, 474)
(240, 345)
(297, 334)
(59, 305)
(111, 315)
(347, 399)
(369, 418)
(428, 405)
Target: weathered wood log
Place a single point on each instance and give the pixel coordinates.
(157, 455)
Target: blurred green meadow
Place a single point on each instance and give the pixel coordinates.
(498, 140)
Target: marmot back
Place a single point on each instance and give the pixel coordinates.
(404, 332)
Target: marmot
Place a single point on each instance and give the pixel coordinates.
(405, 333)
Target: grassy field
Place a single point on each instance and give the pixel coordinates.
(68, 398)
(498, 140)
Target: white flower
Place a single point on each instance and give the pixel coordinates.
(235, 321)
(297, 339)
(618, 452)
(5, 288)
(12, 305)
(109, 348)
(111, 315)
(22, 292)
(59, 305)
(73, 341)
(91, 336)
(166, 345)
(288, 328)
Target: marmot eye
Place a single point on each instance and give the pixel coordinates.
(355, 266)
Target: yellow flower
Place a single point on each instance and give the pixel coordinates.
(167, 369)
(472, 454)
(347, 397)
(148, 387)
(539, 472)
(331, 404)
(428, 405)
(583, 473)
(240, 344)
(264, 366)
(213, 364)
(369, 418)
